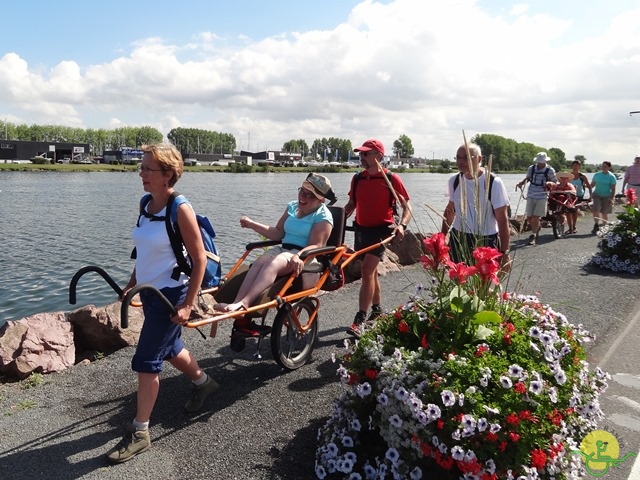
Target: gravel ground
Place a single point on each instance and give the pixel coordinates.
(263, 422)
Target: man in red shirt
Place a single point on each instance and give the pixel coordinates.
(373, 202)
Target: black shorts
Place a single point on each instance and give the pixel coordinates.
(367, 236)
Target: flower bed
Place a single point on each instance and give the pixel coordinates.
(620, 244)
(463, 381)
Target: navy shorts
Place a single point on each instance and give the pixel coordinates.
(366, 236)
(160, 338)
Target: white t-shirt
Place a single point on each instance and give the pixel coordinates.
(155, 259)
(470, 219)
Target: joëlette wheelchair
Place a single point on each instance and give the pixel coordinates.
(293, 298)
(559, 204)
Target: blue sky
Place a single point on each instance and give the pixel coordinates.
(555, 73)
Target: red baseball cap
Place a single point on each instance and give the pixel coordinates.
(369, 145)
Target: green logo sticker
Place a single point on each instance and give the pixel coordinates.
(600, 451)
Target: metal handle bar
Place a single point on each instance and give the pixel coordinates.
(81, 272)
(124, 308)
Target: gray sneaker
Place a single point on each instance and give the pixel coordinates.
(200, 394)
(133, 443)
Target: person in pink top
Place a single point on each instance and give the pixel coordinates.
(632, 177)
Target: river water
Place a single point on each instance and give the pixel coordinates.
(54, 223)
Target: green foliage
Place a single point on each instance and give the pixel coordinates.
(508, 155)
(330, 145)
(40, 160)
(196, 140)
(32, 380)
(619, 241)
(296, 146)
(403, 147)
(239, 167)
(99, 140)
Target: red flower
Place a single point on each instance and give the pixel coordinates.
(513, 419)
(507, 339)
(502, 446)
(487, 476)
(509, 327)
(514, 437)
(538, 458)
(555, 417)
(480, 350)
(491, 437)
(436, 248)
(630, 193)
(487, 264)
(426, 449)
(459, 272)
(520, 388)
(526, 415)
(403, 327)
(439, 424)
(446, 463)
(398, 314)
(423, 341)
(370, 373)
(353, 379)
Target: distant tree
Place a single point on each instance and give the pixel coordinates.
(558, 159)
(403, 147)
(331, 149)
(581, 158)
(296, 146)
(196, 140)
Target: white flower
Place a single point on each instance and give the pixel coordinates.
(560, 377)
(461, 399)
(402, 394)
(494, 428)
(448, 398)
(535, 387)
(415, 474)
(332, 449)
(535, 332)
(493, 410)
(433, 412)
(392, 455)
(355, 425)
(515, 371)
(363, 389)
(395, 420)
(482, 424)
(320, 472)
(355, 476)
(468, 422)
(347, 441)
(370, 472)
(505, 382)
(383, 399)
(457, 452)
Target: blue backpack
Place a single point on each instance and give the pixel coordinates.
(213, 271)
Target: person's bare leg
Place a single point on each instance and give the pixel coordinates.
(148, 387)
(369, 282)
(187, 364)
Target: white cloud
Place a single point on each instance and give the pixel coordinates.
(425, 69)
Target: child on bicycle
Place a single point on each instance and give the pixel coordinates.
(563, 196)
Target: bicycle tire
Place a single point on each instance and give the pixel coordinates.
(557, 227)
(290, 348)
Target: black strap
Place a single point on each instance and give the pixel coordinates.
(392, 201)
(291, 246)
(492, 177)
(175, 238)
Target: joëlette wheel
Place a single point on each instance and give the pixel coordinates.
(290, 348)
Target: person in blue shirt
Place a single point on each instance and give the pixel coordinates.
(305, 224)
(604, 191)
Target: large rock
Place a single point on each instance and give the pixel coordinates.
(98, 328)
(409, 249)
(41, 343)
